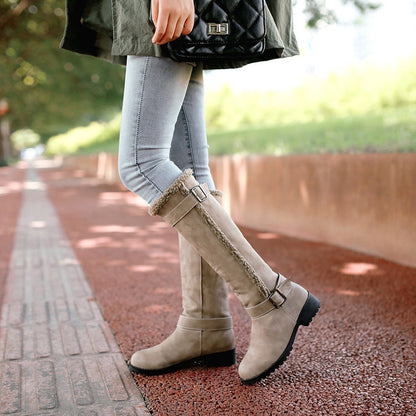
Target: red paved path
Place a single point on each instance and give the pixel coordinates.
(357, 358)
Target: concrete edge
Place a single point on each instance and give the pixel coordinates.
(365, 202)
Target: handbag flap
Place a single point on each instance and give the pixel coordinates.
(226, 22)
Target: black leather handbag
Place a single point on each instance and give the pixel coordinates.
(223, 30)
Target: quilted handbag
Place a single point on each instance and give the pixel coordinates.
(223, 30)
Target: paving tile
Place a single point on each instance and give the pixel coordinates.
(14, 344)
(16, 313)
(70, 339)
(46, 385)
(98, 338)
(57, 354)
(112, 379)
(43, 347)
(10, 396)
(80, 383)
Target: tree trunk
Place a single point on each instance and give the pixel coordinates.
(5, 139)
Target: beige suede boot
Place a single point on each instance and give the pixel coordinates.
(276, 305)
(204, 333)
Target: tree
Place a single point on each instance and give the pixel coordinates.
(49, 89)
(4, 132)
(318, 12)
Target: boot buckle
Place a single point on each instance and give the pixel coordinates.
(198, 195)
(276, 290)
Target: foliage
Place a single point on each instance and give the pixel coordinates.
(49, 89)
(318, 12)
(95, 134)
(389, 130)
(362, 90)
(24, 138)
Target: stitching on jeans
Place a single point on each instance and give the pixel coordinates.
(139, 113)
(188, 137)
(138, 129)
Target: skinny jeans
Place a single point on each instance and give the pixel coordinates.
(162, 126)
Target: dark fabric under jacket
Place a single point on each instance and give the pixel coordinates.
(113, 29)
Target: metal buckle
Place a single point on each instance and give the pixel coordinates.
(218, 29)
(194, 193)
(276, 290)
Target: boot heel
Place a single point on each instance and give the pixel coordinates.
(219, 359)
(309, 310)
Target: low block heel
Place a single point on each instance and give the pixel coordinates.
(309, 310)
(219, 359)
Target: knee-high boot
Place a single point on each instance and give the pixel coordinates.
(276, 305)
(204, 333)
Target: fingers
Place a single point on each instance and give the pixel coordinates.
(161, 27)
(169, 32)
(171, 18)
(189, 25)
(179, 28)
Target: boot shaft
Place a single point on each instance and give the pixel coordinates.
(204, 293)
(196, 215)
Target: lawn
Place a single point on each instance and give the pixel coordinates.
(393, 130)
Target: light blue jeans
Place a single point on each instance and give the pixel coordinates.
(162, 126)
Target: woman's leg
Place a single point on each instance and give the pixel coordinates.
(277, 305)
(154, 91)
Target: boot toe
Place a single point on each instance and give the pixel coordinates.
(252, 368)
(152, 361)
(138, 360)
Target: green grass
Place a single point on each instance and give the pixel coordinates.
(393, 130)
(109, 146)
(96, 137)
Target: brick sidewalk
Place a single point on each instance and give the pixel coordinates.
(58, 355)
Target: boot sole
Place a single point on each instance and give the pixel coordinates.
(309, 310)
(218, 359)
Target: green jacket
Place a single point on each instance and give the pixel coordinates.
(113, 29)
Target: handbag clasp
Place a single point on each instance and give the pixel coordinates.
(218, 29)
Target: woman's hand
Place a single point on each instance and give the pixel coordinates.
(172, 18)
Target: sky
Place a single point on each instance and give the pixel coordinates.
(379, 37)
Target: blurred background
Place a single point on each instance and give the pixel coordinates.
(352, 89)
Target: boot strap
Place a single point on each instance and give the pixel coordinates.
(276, 299)
(208, 324)
(197, 194)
